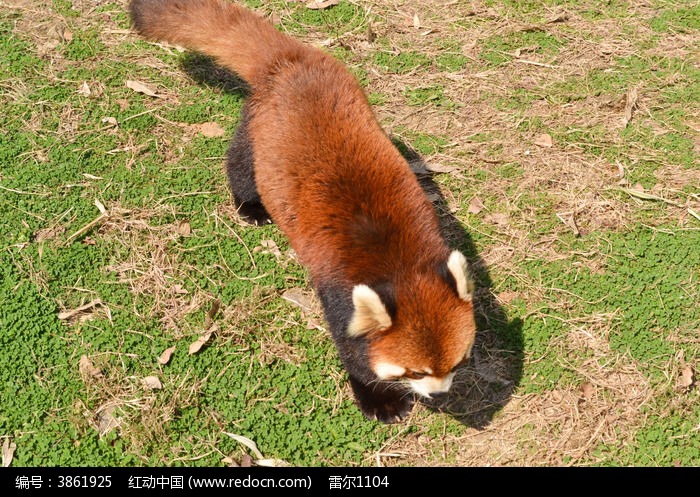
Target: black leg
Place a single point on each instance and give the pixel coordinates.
(388, 403)
(241, 175)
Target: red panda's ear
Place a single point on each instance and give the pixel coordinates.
(370, 314)
(457, 264)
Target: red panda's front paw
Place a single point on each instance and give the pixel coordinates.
(254, 213)
(389, 411)
(385, 402)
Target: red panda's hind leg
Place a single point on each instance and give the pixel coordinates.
(241, 175)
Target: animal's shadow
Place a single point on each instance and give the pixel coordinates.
(205, 71)
(486, 383)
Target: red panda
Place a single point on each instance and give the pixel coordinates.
(310, 156)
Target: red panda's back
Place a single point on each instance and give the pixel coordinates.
(331, 178)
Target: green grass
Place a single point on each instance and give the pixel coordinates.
(269, 373)
(431, 95)
(423, 143)
(401, 62)
(346, 17)
(450, 58)
(653, 264)
(649, 72)
(679, 19)
(539, 10)
(65, 7)
(451, 62)
(499, 49)
(84, 45)
(648, 285)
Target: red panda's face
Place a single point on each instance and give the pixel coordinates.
(424, 353)
(428, 336)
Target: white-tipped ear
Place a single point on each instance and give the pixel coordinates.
(457, 264)
(370, 313)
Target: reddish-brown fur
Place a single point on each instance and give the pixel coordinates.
(330, 177)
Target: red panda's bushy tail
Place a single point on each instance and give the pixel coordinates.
(236, 37)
